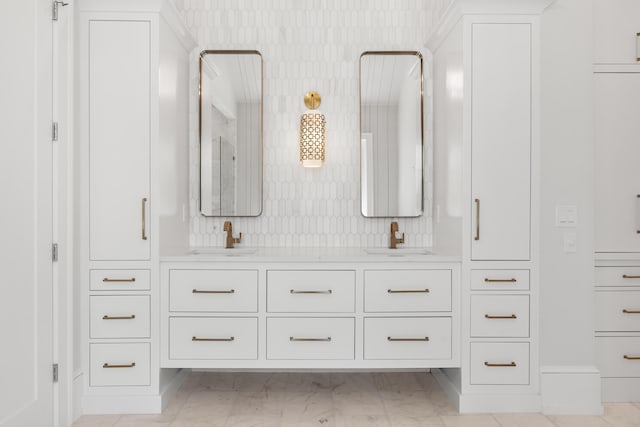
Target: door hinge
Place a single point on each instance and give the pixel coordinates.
(54, 131)
(56, 5)
(55, 372)
(54, 252)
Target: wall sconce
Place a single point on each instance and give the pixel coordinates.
(312, 127)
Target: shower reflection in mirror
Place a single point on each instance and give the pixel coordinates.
(230, 133)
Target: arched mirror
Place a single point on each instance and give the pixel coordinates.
(391, 134)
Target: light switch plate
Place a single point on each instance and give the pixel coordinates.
(566, 216)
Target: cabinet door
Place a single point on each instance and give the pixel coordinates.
(616, 27)
(501, 141)
(119, 78)
(616, 110)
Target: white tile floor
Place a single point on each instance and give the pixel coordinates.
(335, 399)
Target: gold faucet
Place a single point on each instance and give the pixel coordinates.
(394, 240)
(230, 239)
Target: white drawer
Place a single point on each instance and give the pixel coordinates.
(319, 291)
(213, 338)
(500, 280)
(120, 316)
(618, 311)
(213, 290)
(610, 356)
(292, 338)
(119, 364)
(407, 338)
(120, 280)
(617, 276)
(499, 363)
(407, 290)
(500, 316)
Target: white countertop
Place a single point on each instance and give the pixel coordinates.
(242, 254)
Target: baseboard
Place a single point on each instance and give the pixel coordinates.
(450, 389)
(134, 404)
(171, 387)
(76, 396)
(571, 390)
(621, 389)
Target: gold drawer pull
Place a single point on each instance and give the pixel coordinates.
(632, 357)
(500, 365)
(627, 276)
(131, 365)
(293, 291)
(490, 316)
(230, 291)
(487, 280)
(309, 339)
(213, 339)
(624, 310)
(106, 317)
(107, 280)
(408, 339)
(408, 291)
(144, 218)
(477, 236)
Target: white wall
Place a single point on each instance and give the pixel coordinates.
(567, 179)
(309, 45)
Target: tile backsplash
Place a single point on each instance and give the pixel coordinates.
(310, 45)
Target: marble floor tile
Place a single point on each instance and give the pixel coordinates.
(347, 420)
(207, 407)
(470, 420)
(256, 404)
(97, 421)
(306, 406)
(578, 421)
(253, 421)
(394, 381)
(523, 420)
(412, 404)
(358, 403)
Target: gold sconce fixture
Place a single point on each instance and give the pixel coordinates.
(312, 130)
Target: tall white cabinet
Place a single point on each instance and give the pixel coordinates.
(616, 82)
(485, 77)
(133, 82)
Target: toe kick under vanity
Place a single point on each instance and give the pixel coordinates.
(310, 309)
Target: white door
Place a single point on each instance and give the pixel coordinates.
(119, 139)
(616, 30)
(501, 142)
(617, 129)
(26, 388)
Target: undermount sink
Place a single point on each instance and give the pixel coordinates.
(224, 251)
(397, 252)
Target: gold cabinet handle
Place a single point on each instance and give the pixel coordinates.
(107, 365)
(408, 291)
(637, 195)
(107, 317)
(487, 280)
(626, 311)
(477, 236)
(631, 357)
(144, 218)
(627, 276)
(293, 291)
(490, 316)
(500, 365)
(230, 291)
(408, 339)
(107, 280)
(213, 339)
(309, 339)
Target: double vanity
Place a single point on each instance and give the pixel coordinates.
(152, 307)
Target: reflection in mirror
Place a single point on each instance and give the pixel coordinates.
(230, 133)
(391, 130)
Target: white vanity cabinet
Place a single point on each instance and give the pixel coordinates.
(486, 71)
(360, 313)
(501, 140)
(616, 38)
(127, 50)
